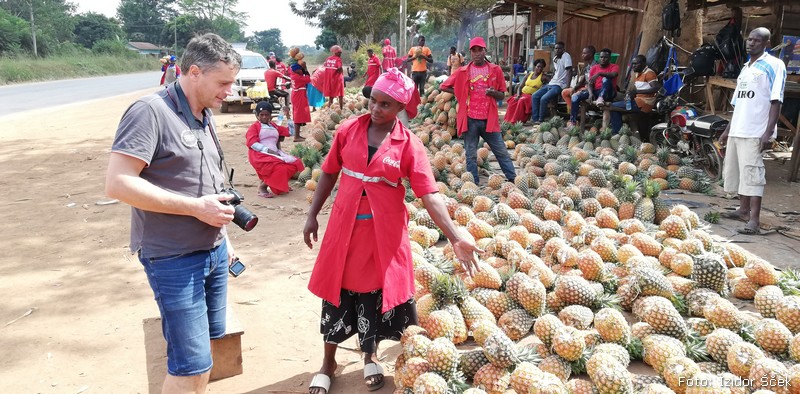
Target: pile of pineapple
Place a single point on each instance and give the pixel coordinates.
(545, 306)
(440, 108)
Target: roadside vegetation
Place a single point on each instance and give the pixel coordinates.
(27, 69)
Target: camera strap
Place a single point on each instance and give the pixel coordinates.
(181, 101)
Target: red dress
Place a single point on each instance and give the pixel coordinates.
(272, 170)
(519, 110)
(373, 70)
(300, 113)
(402, 155)
(334, 80)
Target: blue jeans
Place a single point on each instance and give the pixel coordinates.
(576, 102)
(191, 291)
(476, 129)
(616, 117)
(540, 99)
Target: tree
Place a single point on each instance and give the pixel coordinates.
(145, 20)
(52, 18)
(92, 27)
(212, 9)
(464, 12)
(13, 31)
(266, 41)
(325, 39)
(363, 19)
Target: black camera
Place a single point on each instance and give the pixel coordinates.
(242, 216)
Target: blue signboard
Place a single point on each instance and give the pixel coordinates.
(790, 54)
(550, 39)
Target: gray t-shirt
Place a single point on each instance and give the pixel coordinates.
(561, 76)
(154, 129)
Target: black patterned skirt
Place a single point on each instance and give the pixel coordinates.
(361, 313)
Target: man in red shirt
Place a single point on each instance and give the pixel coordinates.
(601, 85)
(271, 78)
(373, 71)
(479, 86)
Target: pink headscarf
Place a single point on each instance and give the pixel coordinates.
(386, 42)
(336, 49)
(396, 84)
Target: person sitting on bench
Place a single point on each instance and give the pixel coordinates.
(643, 92)
(562, 64)
(271, 78)
(601, 85)
(587, 55)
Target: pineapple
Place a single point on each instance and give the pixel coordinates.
(430, 382)
(761, 272)
(591, 264)
(474, 312)
(439, 324)
(788, 313)
(769, 374)
(568, 343)
(499, 303)
(524, 376)
(516, 323)
(576, 316)
(416, 346)
(577, 386)
(722, 313)
(500, 350)
(675, 227)
(612, 326)
(659, 348)
(700, 325)
(557, 366)
(696, 301)
(645, 209)
(719, 342)
(678, 371)
(471, 361)
(709, 271)
(741, 356)
(487, 277)
(531, 295)
(411, 370)
(612, 378)
(664, 318)
(548, 384)
(545, 328)
(443, 357)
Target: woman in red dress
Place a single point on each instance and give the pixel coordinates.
(273, 166)
(364, 271)
(300, 112)
(519, 106)
(334, 76)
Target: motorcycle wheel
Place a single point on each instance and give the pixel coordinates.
(658, 138)
(712, 161)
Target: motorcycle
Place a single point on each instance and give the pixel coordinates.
(689, 133)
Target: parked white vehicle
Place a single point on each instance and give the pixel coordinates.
(254, 65)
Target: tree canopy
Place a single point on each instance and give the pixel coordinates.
(92, 27)
(267, 41)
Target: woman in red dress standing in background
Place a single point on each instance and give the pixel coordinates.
(300, 112)
(364, 271)
(334, 76)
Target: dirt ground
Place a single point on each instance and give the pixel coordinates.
(77, 312)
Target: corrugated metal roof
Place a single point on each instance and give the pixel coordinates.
(587, 9)
(144, 46)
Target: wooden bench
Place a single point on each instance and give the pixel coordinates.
(227, 351)
(586, 105)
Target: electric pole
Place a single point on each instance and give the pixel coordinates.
(33, 29)
(175, 35)
(403, 16)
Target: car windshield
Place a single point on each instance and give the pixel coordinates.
(253, 62)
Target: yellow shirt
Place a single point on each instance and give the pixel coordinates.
(419, 65)
(532, 84)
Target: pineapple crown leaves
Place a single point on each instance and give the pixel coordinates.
(505, 275)
(635, 349)
(711, 217)
(679, 302)
(579, 366)
(610, 282)
(457, 383)
(789, 282)
(673, 181)
(747, 332)
(528, 354)
(607, 300)
(695, 346)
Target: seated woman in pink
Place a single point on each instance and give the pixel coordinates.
(519, 106)
(273, 166)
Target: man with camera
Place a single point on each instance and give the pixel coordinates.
(167, 163)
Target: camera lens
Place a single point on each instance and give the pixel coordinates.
(245, 219)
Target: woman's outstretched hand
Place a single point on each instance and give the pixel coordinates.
(465, 254)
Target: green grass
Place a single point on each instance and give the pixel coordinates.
(22, 69)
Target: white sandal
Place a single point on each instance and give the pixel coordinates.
(321, 381)
(374, 369)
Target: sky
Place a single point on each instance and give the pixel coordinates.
(262, 15)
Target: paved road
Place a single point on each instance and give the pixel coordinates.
(18, 98)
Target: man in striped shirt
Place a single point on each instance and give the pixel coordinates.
(757, 106)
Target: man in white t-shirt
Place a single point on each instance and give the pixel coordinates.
(757, 105)
(562, 64)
